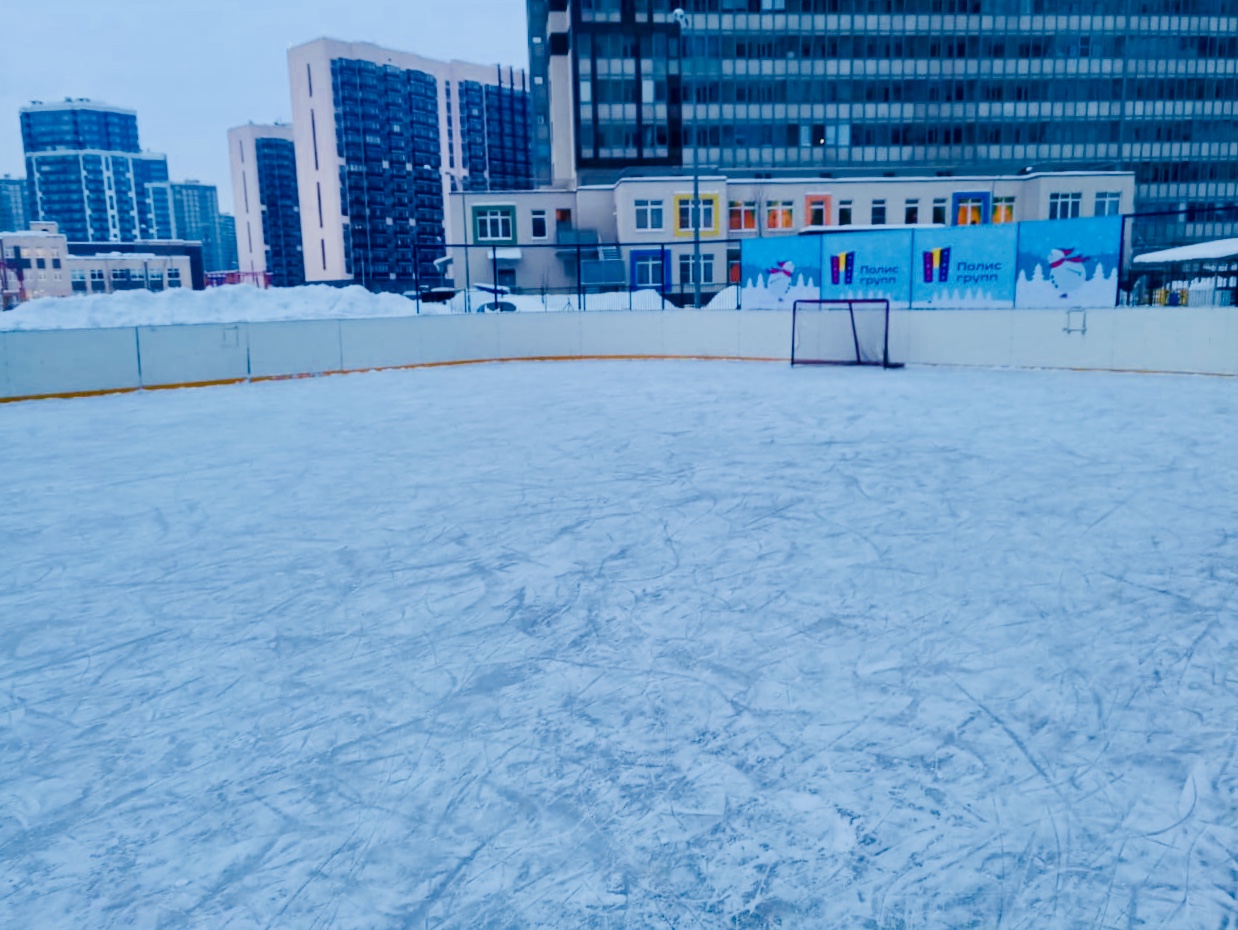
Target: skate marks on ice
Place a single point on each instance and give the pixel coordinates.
(623, 645)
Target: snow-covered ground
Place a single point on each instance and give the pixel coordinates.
(623, 645)
(242, 303)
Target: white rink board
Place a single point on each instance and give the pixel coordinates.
(1188, 340)
(67, 361)
(302, 347)
(380, 343)
(193, 354)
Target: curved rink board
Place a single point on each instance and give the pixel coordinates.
(622, 645)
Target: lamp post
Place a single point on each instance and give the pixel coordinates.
(681, 18)
(446, 176)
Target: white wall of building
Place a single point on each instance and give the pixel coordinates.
(47, 253)
(246, 195)
(108, 272)
(621, 212)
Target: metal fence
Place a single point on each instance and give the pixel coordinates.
(1198, 282)
(580, 272)
(577, 270)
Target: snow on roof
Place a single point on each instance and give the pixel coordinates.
(865, 227)
(141, 256)
(1200, 251)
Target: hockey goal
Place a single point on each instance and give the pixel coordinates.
(841, 332)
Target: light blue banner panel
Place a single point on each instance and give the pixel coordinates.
(779, 270)
(964, 267)
(868, 265)
(1069, 263)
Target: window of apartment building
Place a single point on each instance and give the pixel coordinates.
(696, 214)
(939, 211)
(1064, 206)
(911, 211)
(779, 214)
(539, 224)
(879, 213)
(647, 269)
(648, 214)
(817, 208)
(743, 214)
(174, 277)
(493, 224)
(685, 269)
(96, 274)
(119, 274)
(844, 213)
(1003, 209)
(969, 212)
(1108, 203)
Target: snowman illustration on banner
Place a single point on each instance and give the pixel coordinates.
(778, 279)
(1066, 271)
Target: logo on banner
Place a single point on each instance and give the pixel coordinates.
(842, 268)
(937, 266)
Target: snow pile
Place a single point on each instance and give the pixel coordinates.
(623, 645)
(560, 301)
(235, 304)
(244, 304)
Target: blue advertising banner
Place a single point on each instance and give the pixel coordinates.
(779, 270)
(1069, 263)
(964, 267)
(867, 265)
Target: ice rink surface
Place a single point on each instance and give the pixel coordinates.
(623, 645)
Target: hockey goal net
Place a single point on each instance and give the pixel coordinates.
(841, 332)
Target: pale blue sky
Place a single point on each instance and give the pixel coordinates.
(193, 69)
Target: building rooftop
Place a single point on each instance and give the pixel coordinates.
(75, 103)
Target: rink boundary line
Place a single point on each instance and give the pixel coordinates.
(1108, 371)
(254, 379)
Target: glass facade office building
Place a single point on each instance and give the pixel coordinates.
(87, 172)
(539, 88)
(12, 204)
(189, 211)
(78, 124)
(876, 86)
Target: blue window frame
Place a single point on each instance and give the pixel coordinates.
(971, 208)
(649, 268)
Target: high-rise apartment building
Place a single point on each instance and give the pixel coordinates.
(875, 86)
(264, 191)
(189, 210)
(12, 204)
(87, 172)
(380, 136)
(227, 242)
